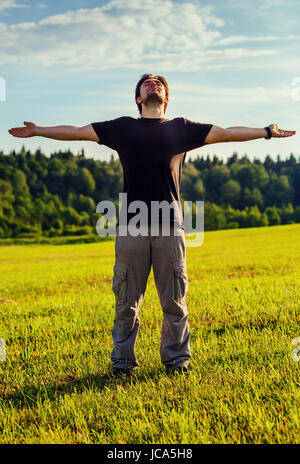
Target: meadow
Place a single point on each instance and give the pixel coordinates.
(57, 312)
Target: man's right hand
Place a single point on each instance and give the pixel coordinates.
(30, 130)
(56, 132)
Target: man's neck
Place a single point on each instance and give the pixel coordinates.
(153, 112)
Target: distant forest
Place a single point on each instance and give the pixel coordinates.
(57, 195)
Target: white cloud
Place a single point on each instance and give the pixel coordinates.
(6, 4)
(158, 34)
(271, 4)
(275, 16)
(243, 38)
(259, 4)
(211, 94)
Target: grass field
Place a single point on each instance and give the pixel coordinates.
(57, 311)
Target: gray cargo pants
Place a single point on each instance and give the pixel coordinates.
(133, 259)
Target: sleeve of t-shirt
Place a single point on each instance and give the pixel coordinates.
(195, 134)
(109, 132)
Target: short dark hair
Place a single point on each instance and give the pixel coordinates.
(144, 78)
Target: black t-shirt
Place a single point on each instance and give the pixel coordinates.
(152, 153)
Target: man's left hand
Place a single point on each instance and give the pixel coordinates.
(276, 132)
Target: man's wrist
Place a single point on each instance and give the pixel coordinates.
(36, 131)
(269, 132)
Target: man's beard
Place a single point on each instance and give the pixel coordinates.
(153, 97)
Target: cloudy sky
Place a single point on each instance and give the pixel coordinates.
(227, 62)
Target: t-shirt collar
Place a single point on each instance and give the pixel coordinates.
(152, 119)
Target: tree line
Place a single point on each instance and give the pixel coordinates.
(57, 195)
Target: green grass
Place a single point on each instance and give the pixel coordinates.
(60, 240)
(57, 311)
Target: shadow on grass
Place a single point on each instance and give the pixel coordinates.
(31, 395)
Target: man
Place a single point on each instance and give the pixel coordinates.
(152, 151)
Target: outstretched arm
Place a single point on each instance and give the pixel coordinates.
(242, 134)
(58, 132)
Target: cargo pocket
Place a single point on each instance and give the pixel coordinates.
(120, 284)
(181, 284)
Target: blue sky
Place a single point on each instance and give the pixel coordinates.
(229, 63)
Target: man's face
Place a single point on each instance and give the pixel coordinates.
(152, 90)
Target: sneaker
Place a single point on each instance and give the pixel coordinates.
(177, 370)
